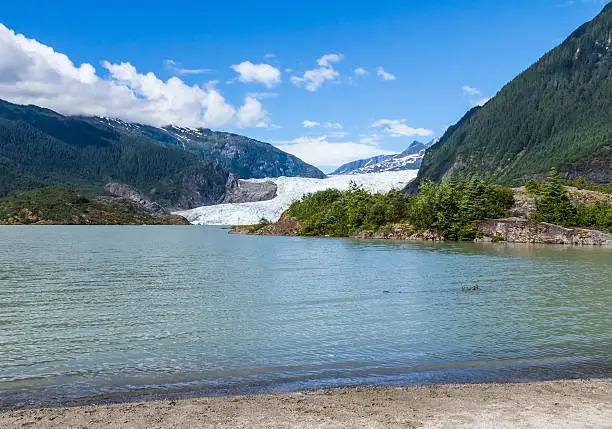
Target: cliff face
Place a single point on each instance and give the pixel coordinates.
(517, 230)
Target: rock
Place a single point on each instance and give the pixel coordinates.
(241, 191)
(399, 232)
(286, 226)
(517, 230)
(135, 197)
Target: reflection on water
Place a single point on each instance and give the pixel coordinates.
(106, 310)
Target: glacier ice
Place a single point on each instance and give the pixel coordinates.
(289, 190)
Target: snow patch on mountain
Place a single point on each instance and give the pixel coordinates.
(290, 189)
(410, 159)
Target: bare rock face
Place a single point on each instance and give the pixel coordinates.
(285, 226)
(135, 197)
(517, 230)
(399, 232)
(241, 191)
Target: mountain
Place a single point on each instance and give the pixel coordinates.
(410, 159)
(558, 113)
(245, 158)
(39, 147)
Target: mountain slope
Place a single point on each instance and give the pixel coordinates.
(410, 159)
(39, 147)
(245, 158)
(558, 113)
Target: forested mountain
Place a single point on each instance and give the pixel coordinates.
(558, 113)
(409, 159)
(39, 147)
(175, 167)
(245, 158)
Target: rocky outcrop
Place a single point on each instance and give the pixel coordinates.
(241, 191)
(517, 230)
(399, 232)
(135, 197)
(286, 226)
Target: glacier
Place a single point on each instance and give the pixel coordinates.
(289, 190)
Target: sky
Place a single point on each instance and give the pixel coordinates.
(329, 81)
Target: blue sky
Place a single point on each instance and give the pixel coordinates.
(263, 68)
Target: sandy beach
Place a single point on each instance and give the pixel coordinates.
(556, 404)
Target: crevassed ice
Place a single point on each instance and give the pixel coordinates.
(289, 190)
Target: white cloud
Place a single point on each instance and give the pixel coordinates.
(328, 59)
(480, 101)
(319, 151)
(33, 73)
(334, 125)
(397, 128)
(259, 73)
(309, 124)
(470, 91)
(361, 72)
(314, 79)
(475, 96)
(252, 114)
(172, 65)
(384, 75)
(337, 134)
(371, 139)
(268, 56)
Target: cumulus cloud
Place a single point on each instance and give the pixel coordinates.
(33, 73)
(384, 75)
(314, 79)
(328, 59)
(173, 66)
(475, 96)
(309, 124)
(259, 73)
(398, 128)
(319, 151)
(252, 114)
(361, 72)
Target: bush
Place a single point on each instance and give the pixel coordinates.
(449, 208)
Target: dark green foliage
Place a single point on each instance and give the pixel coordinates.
(449, 207)
(41, 148)
(554, 205)
(62, 206)
(244, 157)
(558, 113)
(262, 223)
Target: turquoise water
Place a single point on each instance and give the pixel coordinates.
(110, 311)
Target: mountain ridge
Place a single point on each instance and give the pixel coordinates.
(409, 159)
(557, 113)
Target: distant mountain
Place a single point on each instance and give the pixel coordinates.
(558, 113)
(410, 159)
(245, 158)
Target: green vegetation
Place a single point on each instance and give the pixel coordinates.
(558, 113)
(554, 205)
(449, 208)
(65, 207)
(262, 223)
(40, 148)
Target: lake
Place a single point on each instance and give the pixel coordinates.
(105, 312)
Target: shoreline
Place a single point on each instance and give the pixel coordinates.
(554, 404)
